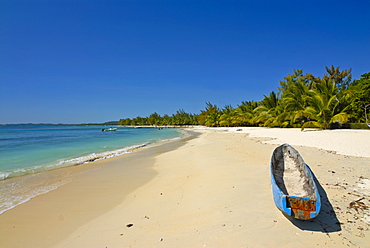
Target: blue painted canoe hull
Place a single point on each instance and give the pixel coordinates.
(298, 207)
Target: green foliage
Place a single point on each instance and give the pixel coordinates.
(355, 126)
(245, 113)
(360, 99)
(213, 119)
(229, 116)
(180, 118)
(210, 117)
(295, 96)
(302, 100)
(324, 105)
(341, 79)
(270, 112)
(110, 123)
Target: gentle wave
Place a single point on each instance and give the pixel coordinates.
(79, 160)
(16, 193)
(26, 183)
(69, 162)
(12, 202)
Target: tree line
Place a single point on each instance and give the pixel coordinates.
(181, 118)
(302, 100)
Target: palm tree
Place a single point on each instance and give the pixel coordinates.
(182, 117)
(154, 119)
(270, 111)
(324, 102)
(294, 97)
(365, 108)
(210, 116)
(340, 78)
(228, 117)
(245, 113)
(213, 119)
(166, 120)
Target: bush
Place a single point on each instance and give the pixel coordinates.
(355, 126)
(300, 125)
(339, 126)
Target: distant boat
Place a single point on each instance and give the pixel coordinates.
(137, 126)
(109, 129)
(293, 187)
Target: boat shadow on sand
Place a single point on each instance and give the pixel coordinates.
(326, 221)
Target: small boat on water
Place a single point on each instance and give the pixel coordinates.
(293, 187)
(109, 129)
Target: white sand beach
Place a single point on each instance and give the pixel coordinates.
(346, 142)
(210, 191)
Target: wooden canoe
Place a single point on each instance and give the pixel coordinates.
(293, 187)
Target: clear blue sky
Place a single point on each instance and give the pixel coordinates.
(85, 61)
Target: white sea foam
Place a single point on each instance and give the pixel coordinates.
(13, 201)
(19, 190)
(26, 183)
(82, 160)
(4, 175)
(69, 162)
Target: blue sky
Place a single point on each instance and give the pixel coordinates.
(86, 61)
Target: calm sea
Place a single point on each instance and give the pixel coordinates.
(24, 151)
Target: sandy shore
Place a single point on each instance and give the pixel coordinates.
(210, 191)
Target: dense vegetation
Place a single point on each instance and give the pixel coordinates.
(180, 118)
(302, 100)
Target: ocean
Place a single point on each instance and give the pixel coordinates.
(27, 151)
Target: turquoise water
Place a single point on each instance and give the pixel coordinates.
(26, 150)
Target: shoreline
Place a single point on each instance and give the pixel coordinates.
(22, 188)
(211, 190)
(91, 156)
(60, 211)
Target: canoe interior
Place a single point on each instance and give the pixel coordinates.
(294, 184)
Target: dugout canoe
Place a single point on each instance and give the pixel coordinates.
(293, 187)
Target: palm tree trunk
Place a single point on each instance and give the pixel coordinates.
(367, 105)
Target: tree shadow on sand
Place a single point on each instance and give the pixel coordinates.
(326, 221)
